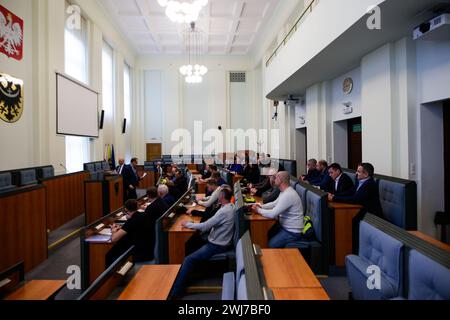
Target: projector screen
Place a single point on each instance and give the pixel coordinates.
(76, 107)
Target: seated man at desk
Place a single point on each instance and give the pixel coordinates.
(140, 228)
(211, 203)
(365, 193)
(313, 173)
(323, 179)
(221, 228)
(287, 209)
(341, 185)
(251, 172)
(156, 206)
(206, 172)
(206, 176)
(163, 193)
(272, 194)
(179, 185)
(218, 178)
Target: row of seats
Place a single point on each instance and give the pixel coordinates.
(245, 283)
(9, 180)
(96, 167)
(408, 267)
(398, 199)
(289, 166)
(315, 206)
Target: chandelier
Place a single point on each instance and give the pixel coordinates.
(194, 70)
(183, 11)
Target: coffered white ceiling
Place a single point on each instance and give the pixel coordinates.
(230, 26)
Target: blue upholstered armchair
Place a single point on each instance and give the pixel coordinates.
(381, 250)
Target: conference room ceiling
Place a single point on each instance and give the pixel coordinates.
(230, 26)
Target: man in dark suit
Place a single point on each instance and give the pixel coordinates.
(157, 206)
(366, 194)
(163, 193)
(121, 166)
(313, 174)
(323, 180)
(140, 227)
(341, 185)
(131, 179)
(179, 186)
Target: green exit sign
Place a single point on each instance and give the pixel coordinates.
(357, 128)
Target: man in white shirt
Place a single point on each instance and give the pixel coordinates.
(121, 166)
(287, 209)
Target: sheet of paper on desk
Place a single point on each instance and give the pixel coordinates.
(99, 238)
(124, 218)
(106, 232)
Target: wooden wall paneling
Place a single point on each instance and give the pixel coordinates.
(23, 228)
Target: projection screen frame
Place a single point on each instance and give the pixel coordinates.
(67, 77)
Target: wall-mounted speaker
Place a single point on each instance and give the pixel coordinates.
(124, 129)
(102, 120)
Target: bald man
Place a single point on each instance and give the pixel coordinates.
(121, 166)
(287, 209)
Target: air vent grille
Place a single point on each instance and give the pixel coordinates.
(237, 77)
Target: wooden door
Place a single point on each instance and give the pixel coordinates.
(354, 143)
(154, 151)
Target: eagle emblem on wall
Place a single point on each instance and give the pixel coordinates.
(11, 34)
(11, 98)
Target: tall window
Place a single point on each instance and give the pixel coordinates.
(127, 108)
(76, 66)
(108, 81)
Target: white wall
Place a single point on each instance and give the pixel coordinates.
(215, 102)
(19, 136)
(314, 36)
(339, 97)
(377, 104)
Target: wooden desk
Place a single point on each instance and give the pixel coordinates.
(192, 168)
(178, 236)
(289, 276)
(65, 198)
(260, 226)
(102, 197)
(431, 240)
(343, 231)
(297, 294)
(95, 252)
(23, 232)
(259, 229)
(38, 290)
(286, 268)
(151, 283)
(236, 178)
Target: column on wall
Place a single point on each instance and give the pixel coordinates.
(55, 62)
(317, 108)
(95, 43)
(377, 102)
(138, 146)
(119, 139)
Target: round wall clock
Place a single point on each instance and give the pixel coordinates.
(348, 85)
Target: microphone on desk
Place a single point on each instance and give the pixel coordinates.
(63, 166)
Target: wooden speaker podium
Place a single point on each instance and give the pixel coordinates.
(103, 195)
